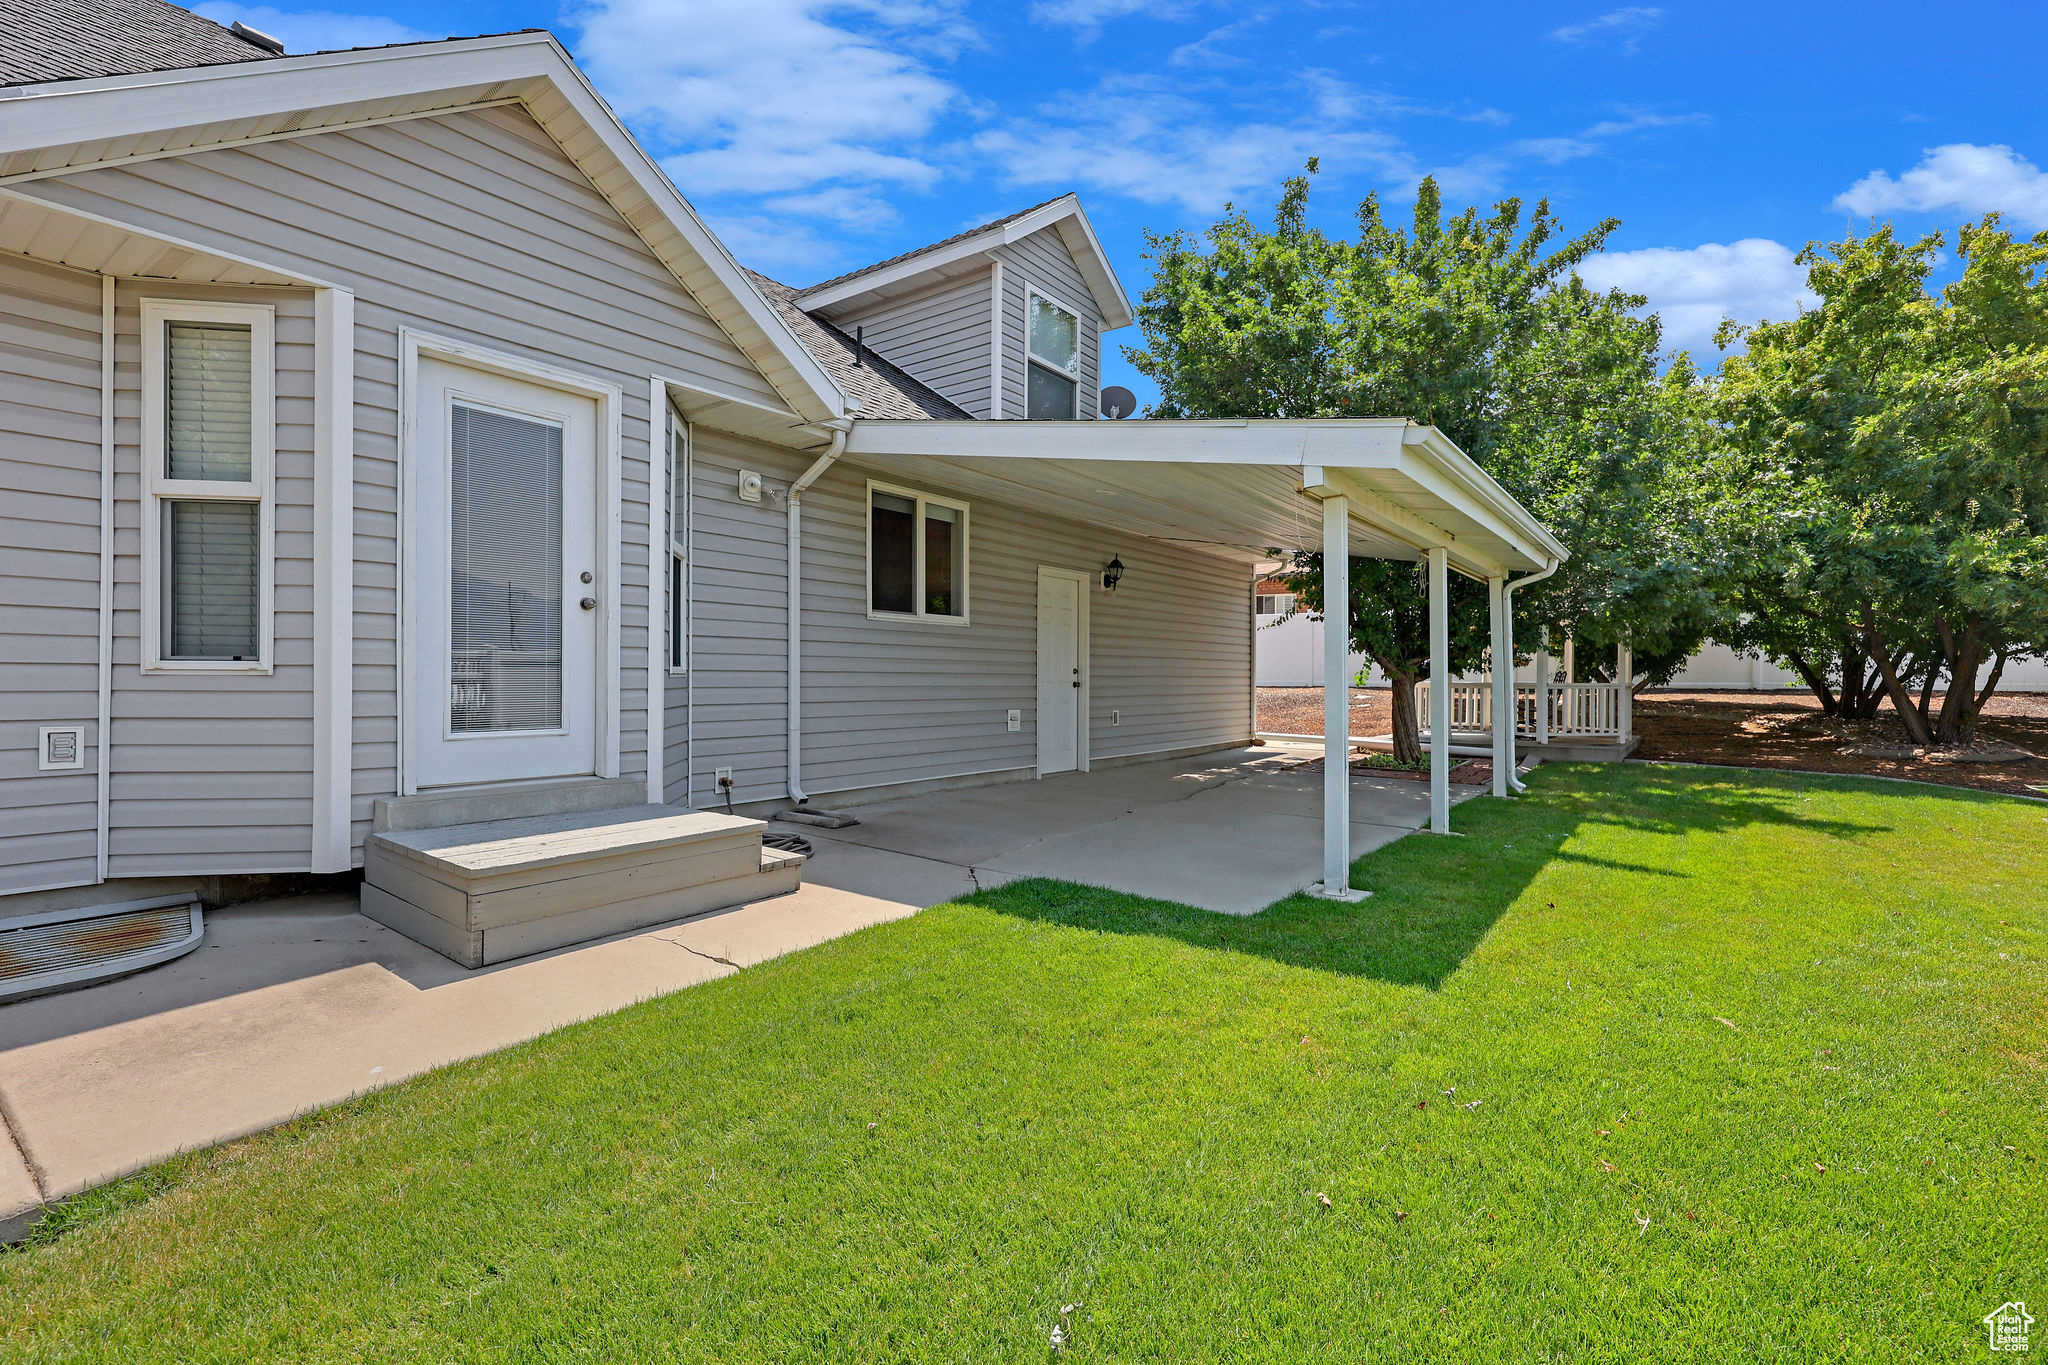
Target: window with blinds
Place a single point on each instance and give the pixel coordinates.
(206, 422)
(208, 433)
(505, 572)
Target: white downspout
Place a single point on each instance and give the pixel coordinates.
(1508, 610)
(840, 426)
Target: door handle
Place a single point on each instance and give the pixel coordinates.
(590, 604)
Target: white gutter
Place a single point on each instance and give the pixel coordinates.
(1507, 594)
(840, 426)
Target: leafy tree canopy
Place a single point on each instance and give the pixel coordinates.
(1474, 323)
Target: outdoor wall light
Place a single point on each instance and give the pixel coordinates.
(1112, 574)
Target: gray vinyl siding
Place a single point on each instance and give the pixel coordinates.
(49, 568)
(472, 226)
(940, 336)
(212, 773)
(1042, 260)
(890, 702)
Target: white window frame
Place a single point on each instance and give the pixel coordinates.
(158, 488)
(917, 595)
(1032, 357)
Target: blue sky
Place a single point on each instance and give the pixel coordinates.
(817, 137)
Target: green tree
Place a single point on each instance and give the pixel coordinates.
(1887, 458)
(1476, 324)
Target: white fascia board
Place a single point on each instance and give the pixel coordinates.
(1064, 213)
(1369, 442)
(527, 64)
(1462, 483)
(63, 113)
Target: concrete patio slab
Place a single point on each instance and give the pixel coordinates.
(1231, 832)
(296, 1004)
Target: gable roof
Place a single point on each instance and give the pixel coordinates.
(54, 129)
(846, 294)
(881, 389)
(53, 40)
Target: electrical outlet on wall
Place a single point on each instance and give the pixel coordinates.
(1014, 721)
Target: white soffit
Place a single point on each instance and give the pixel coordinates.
(83, 241)
(72, 125)
(1245, 485)
(965, 257)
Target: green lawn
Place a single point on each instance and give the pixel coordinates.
(1657, 1063)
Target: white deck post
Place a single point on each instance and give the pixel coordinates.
(1439, 692)
(1543, 690)
(1503, 662)
(1336, 882)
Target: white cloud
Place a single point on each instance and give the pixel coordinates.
(761, 96)
(1962, 175)
(860, 209)
(1693, 290)
(1625, 25)
(1155, 141)
(778, 247)
(1090, 15)
(317, 30)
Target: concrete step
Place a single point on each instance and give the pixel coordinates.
(500, 889)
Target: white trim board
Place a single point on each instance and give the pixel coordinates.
(414, 344)
(334, 514)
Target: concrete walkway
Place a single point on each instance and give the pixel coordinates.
(292, 1005)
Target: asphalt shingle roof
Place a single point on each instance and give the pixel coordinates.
(54, 40)
(883, 390)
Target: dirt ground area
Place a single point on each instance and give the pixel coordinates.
(1777, 729)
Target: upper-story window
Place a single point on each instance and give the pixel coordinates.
(1052, 384)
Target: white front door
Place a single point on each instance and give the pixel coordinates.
(1061, 660)
(502, 577)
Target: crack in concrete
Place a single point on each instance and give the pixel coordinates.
(708, 957)
(10, 1128)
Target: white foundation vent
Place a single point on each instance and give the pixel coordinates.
(61, 748)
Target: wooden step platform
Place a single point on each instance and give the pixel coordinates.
(490, 892)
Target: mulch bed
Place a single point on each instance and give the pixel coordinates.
(1776, 729)
(1785, 729)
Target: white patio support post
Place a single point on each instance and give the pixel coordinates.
(1336, 882)
(1439, 692)
(1625, 699)
(1503, 661)
(1543, 690)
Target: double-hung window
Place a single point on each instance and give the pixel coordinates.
(207, 448)
(1052, 382)
(917, 556)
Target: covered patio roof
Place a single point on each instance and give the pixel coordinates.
(1241, 485)
(1384, 488)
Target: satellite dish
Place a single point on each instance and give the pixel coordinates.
(1118, 401)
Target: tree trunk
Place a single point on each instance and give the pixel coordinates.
(1902, 700)
(1407, 733)
(1991, 683)
(1959, 707)
(1818, 684)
